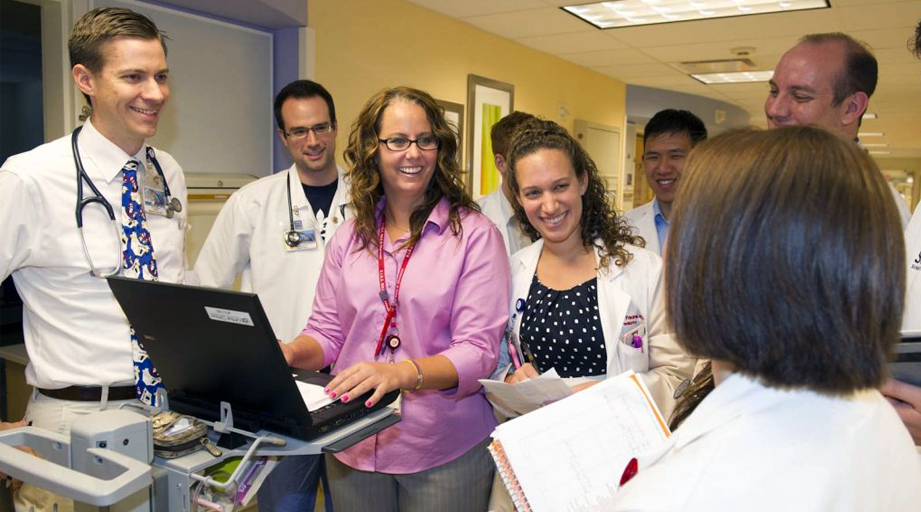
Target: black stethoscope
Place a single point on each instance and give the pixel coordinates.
(173, 205)
(292, 237)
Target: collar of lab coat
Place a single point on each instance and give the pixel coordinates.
(738, 395)
(299, 199)
(527, 258)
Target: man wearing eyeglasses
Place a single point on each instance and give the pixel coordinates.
(274, 231)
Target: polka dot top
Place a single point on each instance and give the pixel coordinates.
(563, 330)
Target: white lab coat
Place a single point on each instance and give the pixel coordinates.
(643, 220)
(912, 319)
(633, 289)
(756, 448)
(497, 208)
(248, 237)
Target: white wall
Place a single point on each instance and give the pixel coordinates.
(219, 116)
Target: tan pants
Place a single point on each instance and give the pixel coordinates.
(499, 498)
(32, 499)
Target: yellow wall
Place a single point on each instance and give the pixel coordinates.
(910, 165)
(363, 46)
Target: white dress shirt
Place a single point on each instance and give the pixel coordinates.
(248, 236)
(75, 331)
(496, 208)
(757, 448)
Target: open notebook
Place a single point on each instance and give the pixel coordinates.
(571, 454)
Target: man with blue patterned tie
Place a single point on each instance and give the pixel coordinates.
(83, 355)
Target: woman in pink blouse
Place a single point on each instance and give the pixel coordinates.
(413, 296)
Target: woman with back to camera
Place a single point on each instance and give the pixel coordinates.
(430, 324)
(585, 295)
(786, 269)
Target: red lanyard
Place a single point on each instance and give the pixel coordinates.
(391, 319)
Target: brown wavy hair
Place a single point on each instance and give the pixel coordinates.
(599, 218)
(364, 176)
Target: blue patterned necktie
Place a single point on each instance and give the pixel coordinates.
(140, 263)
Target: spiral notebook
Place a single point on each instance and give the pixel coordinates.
(571, 454)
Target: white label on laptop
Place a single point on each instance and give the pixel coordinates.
(314, 396)
(230, 316)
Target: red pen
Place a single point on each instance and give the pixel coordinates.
(629, 472)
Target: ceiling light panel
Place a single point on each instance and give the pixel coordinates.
(734, 78)
(632, 13)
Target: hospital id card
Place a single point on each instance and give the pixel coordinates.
(308, 238)
(153, 191)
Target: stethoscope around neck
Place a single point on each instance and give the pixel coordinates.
(292, 237)
(173, 205)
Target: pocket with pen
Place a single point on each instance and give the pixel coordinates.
(632, 350)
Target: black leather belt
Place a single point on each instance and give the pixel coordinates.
(91, 393)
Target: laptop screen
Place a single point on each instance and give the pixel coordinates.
(211, 345)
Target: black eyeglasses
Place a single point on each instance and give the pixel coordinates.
(300, 132)
(425, 143)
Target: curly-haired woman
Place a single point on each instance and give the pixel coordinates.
(412, 296)
(585, 296)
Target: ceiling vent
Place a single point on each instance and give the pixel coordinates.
(699, 67)
(741, 62)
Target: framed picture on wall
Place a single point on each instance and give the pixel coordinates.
(454, 114)
(487, 101)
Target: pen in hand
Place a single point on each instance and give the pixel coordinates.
(529, 356)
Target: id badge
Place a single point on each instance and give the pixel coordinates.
(153, 192)
(307, 236)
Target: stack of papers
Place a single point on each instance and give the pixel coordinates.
(526, 396)
(570, 455)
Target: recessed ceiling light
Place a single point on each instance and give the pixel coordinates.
(880, 152)
(632, 13)
(870, 115)
(737, 77)
(871, 134)
(879, 145)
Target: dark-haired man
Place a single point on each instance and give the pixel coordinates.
(274, 231)
(497, 206)
(667, 140)
(826, 80)
(82, 354)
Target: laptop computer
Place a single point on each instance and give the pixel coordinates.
(211, 345)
